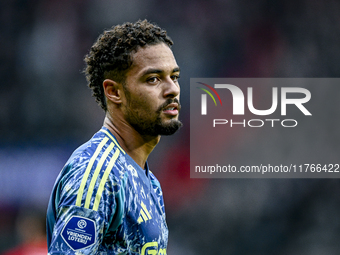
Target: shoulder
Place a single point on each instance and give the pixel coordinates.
(93, 169)
(89, 190)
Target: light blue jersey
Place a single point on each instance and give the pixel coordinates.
(104, 203)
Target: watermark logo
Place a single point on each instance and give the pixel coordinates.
(239, 99)
(242, 103)
(263, 127)
(204, 97)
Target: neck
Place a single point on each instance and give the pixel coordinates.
(138, 147)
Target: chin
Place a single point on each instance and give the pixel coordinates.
(169, 128)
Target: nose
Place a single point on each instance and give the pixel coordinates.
(171, 89)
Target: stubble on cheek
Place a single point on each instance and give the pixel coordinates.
(147, 120)
(139, 114)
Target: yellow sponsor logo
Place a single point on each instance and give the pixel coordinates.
(151, 248)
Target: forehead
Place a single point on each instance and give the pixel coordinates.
(157, 56)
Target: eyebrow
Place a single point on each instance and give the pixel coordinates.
(153, 70)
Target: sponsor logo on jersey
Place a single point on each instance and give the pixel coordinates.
(79, 233)
(144, 214)
(152, 249)
(81, 224)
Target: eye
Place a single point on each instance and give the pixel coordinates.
(175, 77)
(153, 80)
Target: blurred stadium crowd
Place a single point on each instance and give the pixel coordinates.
(46, 111)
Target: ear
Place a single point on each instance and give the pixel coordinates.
(113, 91)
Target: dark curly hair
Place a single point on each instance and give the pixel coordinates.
(111, 54)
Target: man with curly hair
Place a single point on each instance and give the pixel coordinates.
(106, 200)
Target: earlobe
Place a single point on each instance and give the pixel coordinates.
(112, 91)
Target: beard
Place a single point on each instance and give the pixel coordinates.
(146, 124)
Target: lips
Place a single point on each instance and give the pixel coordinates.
(171, 109)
